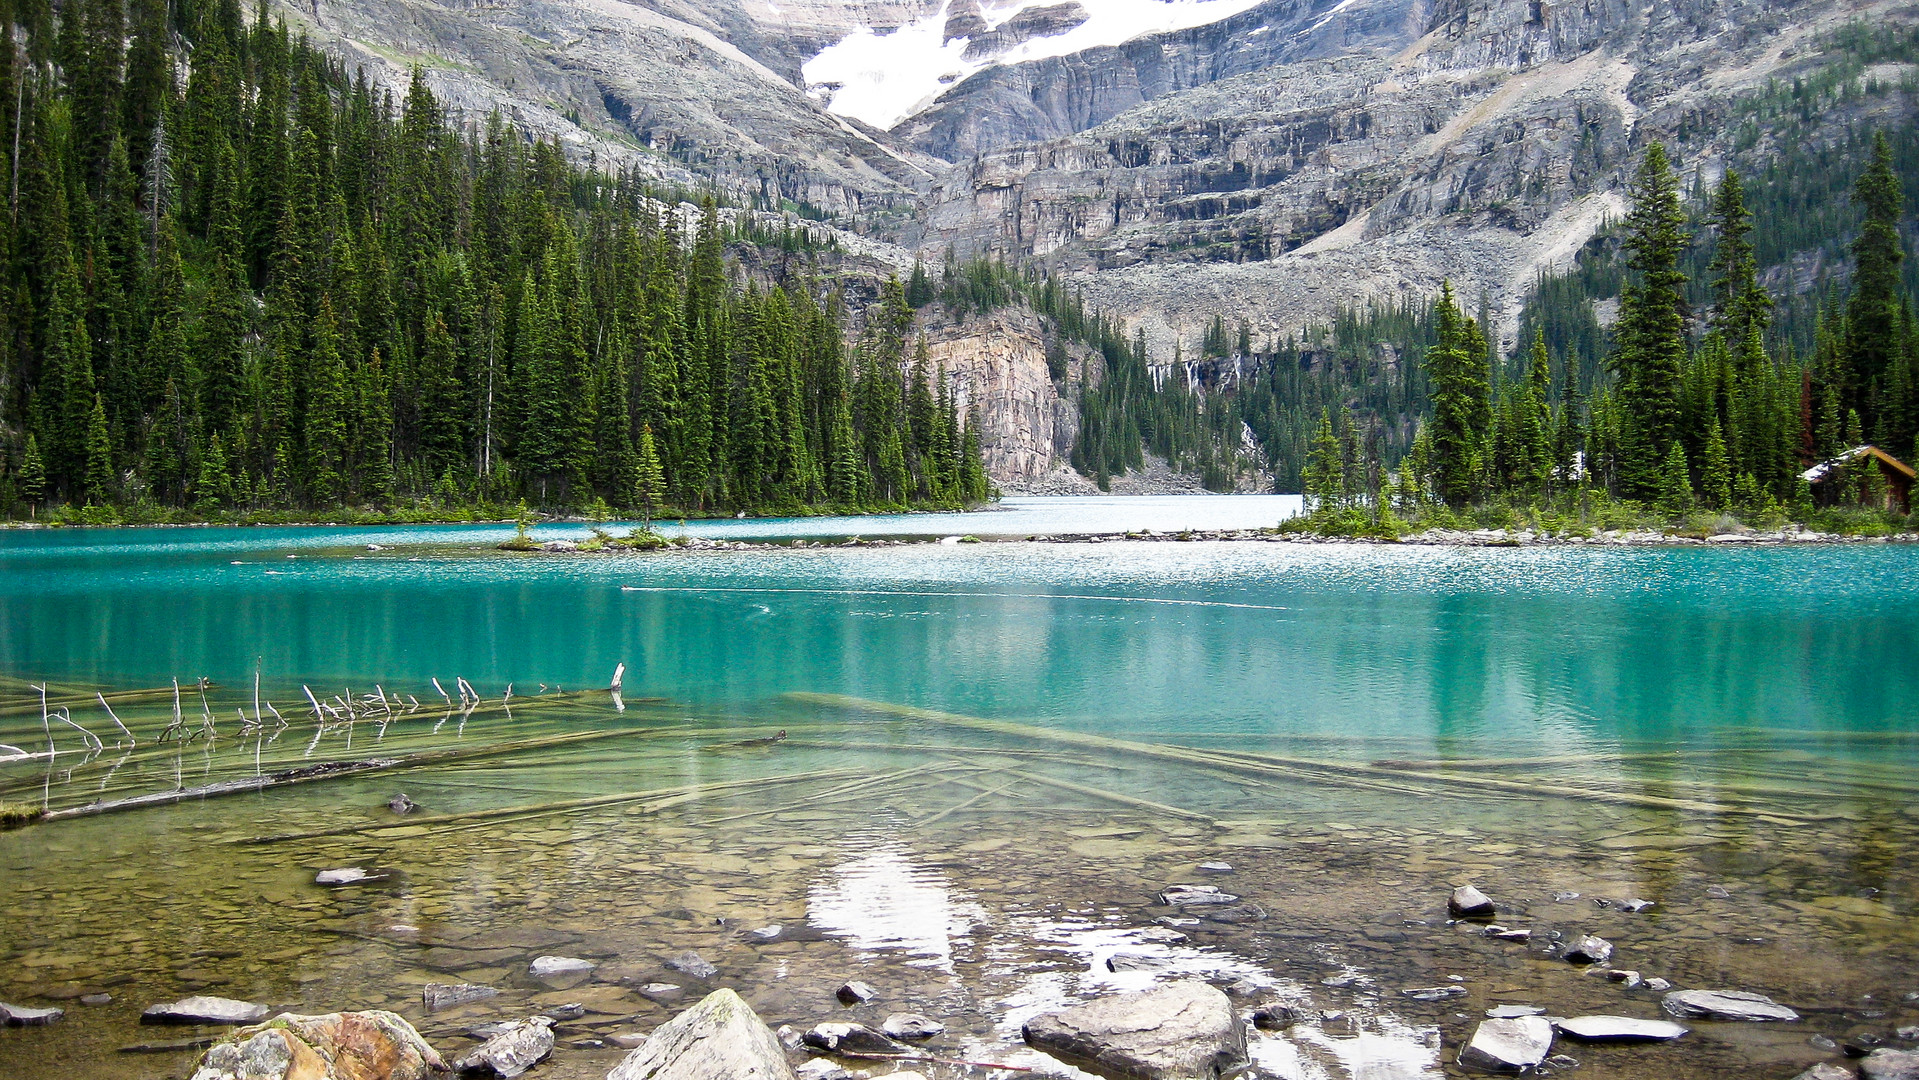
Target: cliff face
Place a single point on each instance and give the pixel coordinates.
(1479, 142)
(998, 363)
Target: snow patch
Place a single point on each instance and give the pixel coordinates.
(884, 79)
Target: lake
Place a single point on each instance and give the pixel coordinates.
(994, 757)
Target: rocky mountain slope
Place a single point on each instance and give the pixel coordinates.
(1267, 159)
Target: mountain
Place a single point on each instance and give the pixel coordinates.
(1272, 161)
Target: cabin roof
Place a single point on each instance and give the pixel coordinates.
(1820, 471)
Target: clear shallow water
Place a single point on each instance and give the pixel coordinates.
(1761, 685)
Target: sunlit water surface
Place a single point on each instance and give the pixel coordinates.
(1352, 729)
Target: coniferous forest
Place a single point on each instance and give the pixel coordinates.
(241, 281)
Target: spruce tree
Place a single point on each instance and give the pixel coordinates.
(649, 481)
(1649, 358)
(1741, 308)
(1462, 410)
(1324, 474)
(33, 474)
(1873, 310)
(1715, 472)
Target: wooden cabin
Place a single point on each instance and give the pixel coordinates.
(1843, 481)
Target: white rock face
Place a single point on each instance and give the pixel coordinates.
(999, 363)
(721, 1038)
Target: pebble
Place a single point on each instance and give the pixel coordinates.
(626, 1040)
(1215, 868)
(546, 967)
(400, 804)
(1468, 902)
(22, 1016)
(346, 875)
(1619, 1029)
(1274, 1017)
(1627, 978)
(1509, 1046)
(823, 1069)
(692, 963)
(1513, 1012)
(437, 996)
(1435, 993)
(1910, 1034)
(911, 1026)
(1725, 1005)
(560, 1014)
(856, 1038)
(1195, 895)
(1658, 986)
(855, 993)
(1588, 949)
(96, 999)
(204, 1010)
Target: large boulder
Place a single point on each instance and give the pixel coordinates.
(721, 1038)
(375, 1045)
(1185, 1031)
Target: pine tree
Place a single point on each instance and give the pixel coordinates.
(1324, 475)
(33, 473)
(1462, 408)
(1649, 358)
(1715, 472)
(649, 481)
(1741, 308)
(1675, 481)
(1873, 311)
(97, 486)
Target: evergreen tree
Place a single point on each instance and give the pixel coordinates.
(1651, 351)
(649, 481)
(1715, 472)
(33, 473)
(1873, 321)
(1324, 475)
(1462, 409)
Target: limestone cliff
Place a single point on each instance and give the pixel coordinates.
(998, 364)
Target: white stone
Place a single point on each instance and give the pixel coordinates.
(1508, 1046)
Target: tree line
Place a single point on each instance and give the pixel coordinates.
(1692, 409)
(239, 279)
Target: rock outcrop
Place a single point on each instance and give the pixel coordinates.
(374, 1045)
(997, 363)
(1183, 1031)
(721, 1038)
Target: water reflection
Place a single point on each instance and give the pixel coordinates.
(879, 897)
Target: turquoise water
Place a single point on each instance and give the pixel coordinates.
(1523, 645)
(1355, 729)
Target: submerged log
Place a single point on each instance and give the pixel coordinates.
(1329, 772)
(333, 769)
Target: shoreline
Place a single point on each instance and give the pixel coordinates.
(1490, 538)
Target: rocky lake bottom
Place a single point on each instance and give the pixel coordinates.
(978, 875)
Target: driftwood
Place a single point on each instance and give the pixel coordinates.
(331, 770)
(1321, 771)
